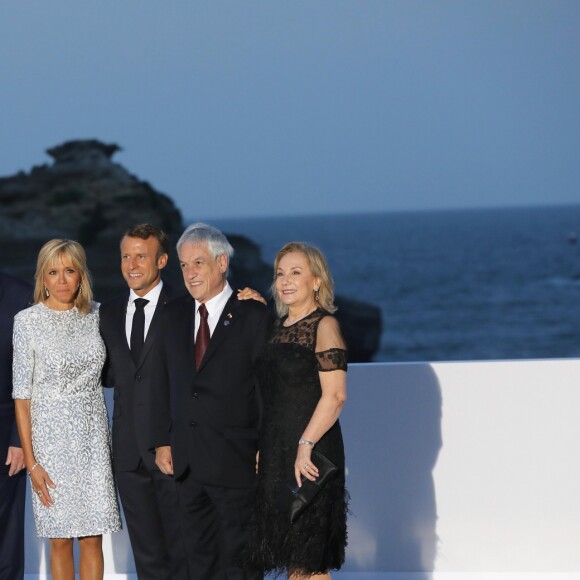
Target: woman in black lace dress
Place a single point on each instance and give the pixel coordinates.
(303, 381)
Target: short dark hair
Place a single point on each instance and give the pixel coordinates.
(145, 231)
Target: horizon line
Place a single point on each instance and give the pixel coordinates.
(540, 205)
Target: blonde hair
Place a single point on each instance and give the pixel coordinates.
(319, 269)
(47, 257)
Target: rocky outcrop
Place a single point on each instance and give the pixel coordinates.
(86, 196)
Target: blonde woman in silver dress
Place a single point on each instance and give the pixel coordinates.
(61, 414)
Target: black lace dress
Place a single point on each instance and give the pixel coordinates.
(290, 384)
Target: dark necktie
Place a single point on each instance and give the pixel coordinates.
(138, 329)
(202, 338)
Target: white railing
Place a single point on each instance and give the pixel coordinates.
(464, 471)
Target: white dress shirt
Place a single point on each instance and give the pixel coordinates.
(215, 307)
(153, 297)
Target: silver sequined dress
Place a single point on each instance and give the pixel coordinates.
(58, 358)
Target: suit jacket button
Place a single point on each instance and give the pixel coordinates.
(193, 424)
(138, 378)
(195, 395)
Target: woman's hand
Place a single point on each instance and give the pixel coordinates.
(257, 461)
(41, 482)
(303, 466)
(333, 386)
(250, 294)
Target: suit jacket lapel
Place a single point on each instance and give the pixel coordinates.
(188, 321)
(228, 319)
(153, 327)
(120, 319)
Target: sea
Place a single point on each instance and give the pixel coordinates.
(485, 284)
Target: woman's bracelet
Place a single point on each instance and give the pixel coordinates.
(306, 442)
(33, 468)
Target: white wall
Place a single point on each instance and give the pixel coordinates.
(464, 467)
(456, 470)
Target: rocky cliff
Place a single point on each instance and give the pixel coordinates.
(85, 195)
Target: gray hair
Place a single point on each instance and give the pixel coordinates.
(200, 233)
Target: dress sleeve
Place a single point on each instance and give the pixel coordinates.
(333, 359)
(331, 354)
(23, 359)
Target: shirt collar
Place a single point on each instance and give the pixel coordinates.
(216, 305)
(152, 295)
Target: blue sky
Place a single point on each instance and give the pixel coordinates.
(249, 108)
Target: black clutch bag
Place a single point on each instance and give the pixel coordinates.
(293, 500)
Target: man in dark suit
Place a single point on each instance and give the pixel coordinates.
(208, 349)
(130, 328)
(15, 295)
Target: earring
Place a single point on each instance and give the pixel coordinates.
(316, 295)
(46, 292)
(80, 288)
